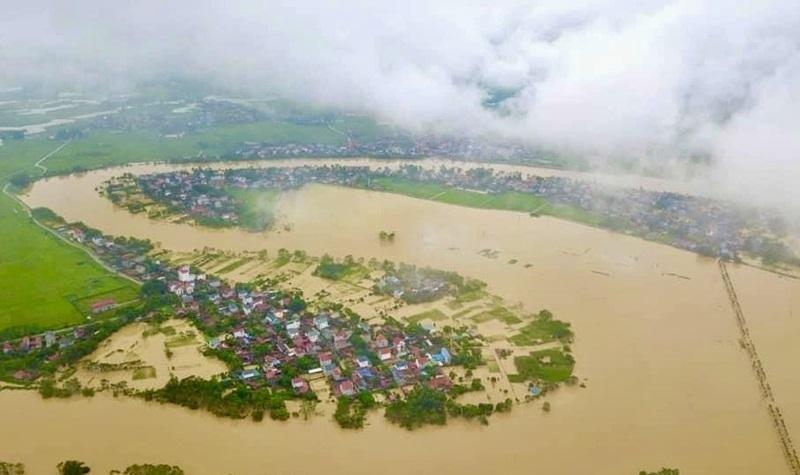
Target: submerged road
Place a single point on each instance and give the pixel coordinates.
(789, 451)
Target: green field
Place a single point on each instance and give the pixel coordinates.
(102, 148)
(498, 313)
(122, 295)
(509, 201)
(547, 365)
(41, 276)
(542, 330)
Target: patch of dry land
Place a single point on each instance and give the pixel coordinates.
(667, 382)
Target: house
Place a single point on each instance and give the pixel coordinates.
(103, 305)
(7, 347)
(440, 382)
(248, 374)
(325, 359)
(65, 342)
(336, 374)
(175, 288)
(272, 373)
(340, 339)
(214, 343)
(347, 388)
(76, 234)
(381, 341)
(36, 342)
(299, 385)
(293, 328)
(442, 356)
(399, 345)
(385, 354)
(362, 361)
(185, 275)
(321, 321)
(49, 339)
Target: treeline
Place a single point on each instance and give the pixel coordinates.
(76, 467)
(425, 406)
(329, 269)
(224, 398)
(351, 412)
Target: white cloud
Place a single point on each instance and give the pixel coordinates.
(649, 79)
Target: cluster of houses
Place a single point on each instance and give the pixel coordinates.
(278, 345)
(175, 119)
(275, 340)
(393, 146)
(694, 223)
(127, 256)
(202, 193)
(61, 339)
(202, 199)
(414, 288)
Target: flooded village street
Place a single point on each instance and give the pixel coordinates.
(657, 345)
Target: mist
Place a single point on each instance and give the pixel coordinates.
(658, 82)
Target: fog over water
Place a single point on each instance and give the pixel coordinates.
(655, 81)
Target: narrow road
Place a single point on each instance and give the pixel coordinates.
(43, 168)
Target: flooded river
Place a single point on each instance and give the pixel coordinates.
(667, 382)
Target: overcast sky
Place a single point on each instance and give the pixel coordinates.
(655, 80)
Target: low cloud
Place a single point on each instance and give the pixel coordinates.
(658, 81)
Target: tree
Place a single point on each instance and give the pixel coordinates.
(21, 180)
(149, 469)
(73, 467)
(12, 468)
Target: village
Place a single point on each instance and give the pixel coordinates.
(697, 224)
(267, 337)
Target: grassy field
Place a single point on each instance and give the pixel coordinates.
(546, 365)
(498, 313)
(509, 201)
(102, 148)
(41, 276)
(542, 330)
(121, 295)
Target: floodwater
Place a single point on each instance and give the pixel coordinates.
(667, 383)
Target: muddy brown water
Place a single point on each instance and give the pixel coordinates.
(667, 383)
